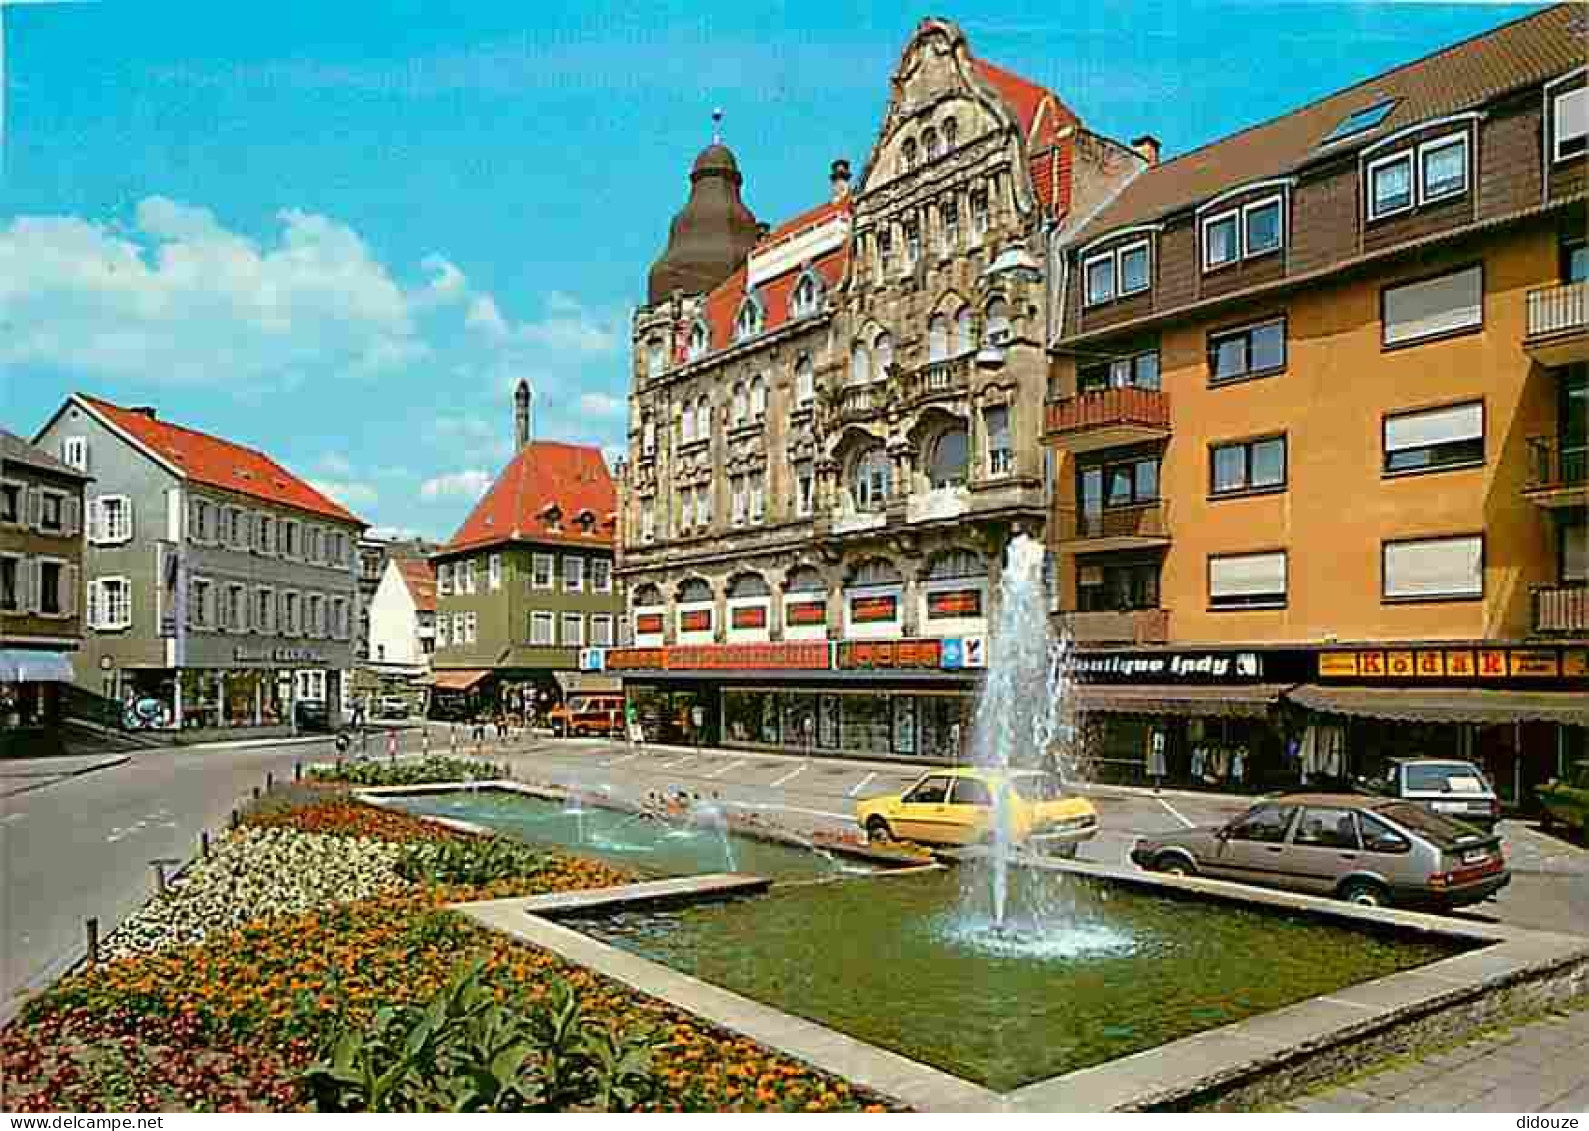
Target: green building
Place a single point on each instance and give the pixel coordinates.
(527, 582)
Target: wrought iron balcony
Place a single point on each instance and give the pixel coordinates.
(1141, 525)
(1107, 418)
(1557, 318)
(1127, 626)
(1556, 472)
(1561, 610)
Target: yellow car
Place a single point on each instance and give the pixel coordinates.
(955, 807)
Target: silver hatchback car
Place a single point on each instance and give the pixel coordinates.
(1368, 850)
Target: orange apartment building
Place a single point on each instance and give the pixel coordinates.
(1317, 409)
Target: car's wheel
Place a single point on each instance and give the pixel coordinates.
(1174, 864)
(878, 832)
(1365, 893)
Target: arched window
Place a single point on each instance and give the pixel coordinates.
(703, 417)
(748, 585)
(805, 298)
(951, 129)
(965, 340)
(998, 321)
(805, 380)
(908, 154)
(929, 141)
(938, 338)
(804, 579)
(875, 571)
(883, 351)
(946, 463)
(700, 340)
(656, 358)
(860, 365)
(748, 323)
(686, 424)
(647, 596)
(758, 397)
(694, 590)
(871, 479)
(741, 404)
(952, 564)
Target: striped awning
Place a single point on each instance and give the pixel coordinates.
(1249, 701)
(1446, 704)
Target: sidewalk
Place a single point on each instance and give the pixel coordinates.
(1536, 1066)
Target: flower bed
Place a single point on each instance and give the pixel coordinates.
(229, 1022)
(375, 772)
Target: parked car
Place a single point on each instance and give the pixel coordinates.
(392, 707)
(313, 715)
(1448, 786)
(587, 714)
(1375, 851)
(956, 807)
(1566, 803)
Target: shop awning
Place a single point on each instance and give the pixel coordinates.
(1446, 704)
(587, 683)
(1253, 701)
(461, 680)
(28, 665)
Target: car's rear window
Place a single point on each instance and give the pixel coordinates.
(1445, 777)
(1038, 787)
(1444, 832)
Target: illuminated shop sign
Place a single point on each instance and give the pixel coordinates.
(806, 612)
(1172, 665)
(954, 604)
(1455, 663)
(748, 616)
(872, 610)
(647, 624)
(695, 620)
(895, 654)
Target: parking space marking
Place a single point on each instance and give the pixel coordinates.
(862, 784)
(721, 770)
(1177, 814)
(675, 765)
(620, 761)
(790, 776)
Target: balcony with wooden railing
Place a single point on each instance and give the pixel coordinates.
(1107, 418)
(1140, 526)
(1556, 472)
(1561, 610)
(1557, 319)
(1125, 626)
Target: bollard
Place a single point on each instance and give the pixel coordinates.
(159, 867)
(391, 744)
(453, 739)
(91, 930)
(236, 819)
(297, 771)
(204, 842)
(364, 740)
(424, 742)
(270, 781)
(256, 793)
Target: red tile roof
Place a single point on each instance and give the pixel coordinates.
(1041, 114)
(220, 463)
(544, 474)
(420, 577)
(722, 305)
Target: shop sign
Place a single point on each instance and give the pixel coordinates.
(965, 652)
(243, 655)
(695, 620)
(872, 610)
(748, 616)
(648, 624)
(806, 612)
(1451, 663)
(909, 655)
(1173, 665)
(636, 659)
(592, 659)
(954, 604)
(1575, 663)
(795, 655)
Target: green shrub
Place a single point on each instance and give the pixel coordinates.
(477, 861)
(466, 1050)
(427, 771)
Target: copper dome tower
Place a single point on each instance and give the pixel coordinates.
(711, 235)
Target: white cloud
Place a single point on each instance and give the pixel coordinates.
(602, 405)
(350, 494)
(484, 316)
(335, 463)
(397, 534)
(468, 485)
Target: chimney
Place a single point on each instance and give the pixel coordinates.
(1148, 147)
(762, 228)
(521, 415)
(143, 410)
(839, 178)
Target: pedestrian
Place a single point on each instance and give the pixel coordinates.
(478, 731)
(358, 711)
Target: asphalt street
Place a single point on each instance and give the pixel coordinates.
(83, 845)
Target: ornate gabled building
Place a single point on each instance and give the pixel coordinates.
(836, 421)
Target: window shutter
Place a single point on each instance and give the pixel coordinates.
(35, 505)
(1435, 567)
(96, 521)
(94, 603)
(126, 509)
(209, 606)
(1435, 306)
(71, 516)
(28, 582)
(69, 580)
(1440, 426)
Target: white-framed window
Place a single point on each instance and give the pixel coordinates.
(468, 577)
(699, 342)
(110, 520)
(758, 496)
(1221, 240)
(13, 583)
(317, 615)
(1433, 569)
(444, 579)
(1432, 308)
(1262, 227)
(471, 623)
(805, 492)
(237, 533)
(1238, 581)
(871, 480)
(1135, 271)
(1434, 438)
(1099, 271)
(1001, 452)
(110, 604)
(542, 567)
(288, 535)
(1570, 124)
(686, 424)
(265, 534)
(1443, 168)
(807, 294)
(201, 602)
(1390, 188)
(13, 502)
(291, 614)
(748, 323)
(265, 610)
(235, 617)
(601, 630)
(573, 630)
(600, 575)
(74, 452)
(542, 627)
(443, 637)
(573, 573)
(703, 418)
(758, 397)
(494, 571)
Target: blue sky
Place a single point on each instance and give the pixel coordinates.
(341, 232)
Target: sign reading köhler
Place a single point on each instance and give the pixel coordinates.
(244, 655)
(1154, 667)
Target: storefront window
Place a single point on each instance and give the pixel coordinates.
(943, 724)
(799, 721)
(866, 723)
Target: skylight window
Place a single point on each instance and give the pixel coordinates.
(1362, 120)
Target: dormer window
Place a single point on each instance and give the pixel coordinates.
(1570, 130)
(1121, 271)
(803, 302)
(1435, 171)
(1442, 168)
(700, 340)
(1100, 273)
(748, 324)
(1389, 185)
(1261, 227)
(1221, 241)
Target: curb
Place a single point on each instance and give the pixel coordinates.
(53, 779)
